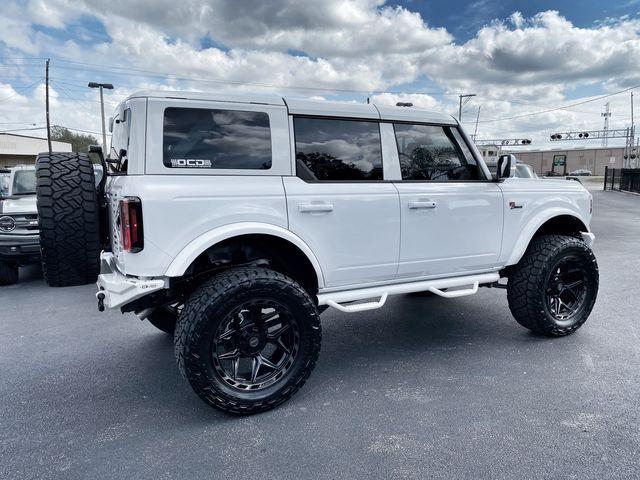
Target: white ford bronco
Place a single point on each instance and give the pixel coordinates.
(234, 221)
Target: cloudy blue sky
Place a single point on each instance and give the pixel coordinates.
(520, 58)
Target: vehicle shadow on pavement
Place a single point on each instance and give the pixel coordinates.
(30, 273)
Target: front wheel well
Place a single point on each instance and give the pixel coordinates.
(562, 225)
(559, 225)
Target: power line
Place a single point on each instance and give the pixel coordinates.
(130, 71)
(562, 107)
(44, 128)
(18, 77)
(520, 102)
(80, 130)
(23, 58)
(23, 129)
(17, 89)
(68, 96)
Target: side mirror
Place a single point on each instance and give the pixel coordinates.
(506, 167)
(111, 124)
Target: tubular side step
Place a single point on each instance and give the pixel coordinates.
(337, 299)
(359, 307)
(455, 293)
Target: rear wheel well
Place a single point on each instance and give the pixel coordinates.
(259, 249)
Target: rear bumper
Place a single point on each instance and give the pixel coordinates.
(20, 248)
(115, 289)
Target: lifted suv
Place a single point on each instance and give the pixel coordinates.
(19, 239)
(236, 220)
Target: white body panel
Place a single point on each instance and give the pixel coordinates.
(540, 200)
(354, 230)
(449, 228)
(176, 213)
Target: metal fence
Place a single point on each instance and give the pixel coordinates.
(622, 179)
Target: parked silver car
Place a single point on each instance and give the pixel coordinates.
(581, 172)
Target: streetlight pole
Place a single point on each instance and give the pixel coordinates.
(108, 86)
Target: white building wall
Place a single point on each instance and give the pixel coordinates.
(11, 144)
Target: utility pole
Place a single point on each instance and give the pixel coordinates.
(631, 139)
(46, 90)
(606, 114)
(468, 95)
(475, 132)
(108, 86)
(632, 110)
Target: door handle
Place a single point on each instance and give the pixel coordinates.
(422, 204)
(315, 207)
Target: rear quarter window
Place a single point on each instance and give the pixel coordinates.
(216, 139)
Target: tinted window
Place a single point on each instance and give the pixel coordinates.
(328, 149)
(429, 152)
(4, 184)
(204, 138)
(24, 182)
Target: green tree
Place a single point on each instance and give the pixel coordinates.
(79, 141)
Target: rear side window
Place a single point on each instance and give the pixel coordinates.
(330, 149)
(208, 138)
(433, 152)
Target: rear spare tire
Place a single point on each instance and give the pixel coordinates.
(69, 219)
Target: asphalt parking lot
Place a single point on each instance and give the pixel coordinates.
(424, 388)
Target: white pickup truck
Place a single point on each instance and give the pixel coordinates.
(19, 238)
(235, 220)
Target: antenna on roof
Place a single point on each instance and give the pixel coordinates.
(404, 104)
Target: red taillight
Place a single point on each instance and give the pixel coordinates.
(131, 233)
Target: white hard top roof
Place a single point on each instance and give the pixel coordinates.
(268, 99)
(312, 107)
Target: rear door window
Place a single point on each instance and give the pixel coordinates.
(216, 139)
(337, 150)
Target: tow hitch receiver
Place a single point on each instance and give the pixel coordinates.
(100, 298)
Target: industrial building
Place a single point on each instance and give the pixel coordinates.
(23, 149)
(593, 159)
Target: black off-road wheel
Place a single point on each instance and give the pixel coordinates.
(247, 340)
(8, 273)
(68, 218)
(554, 287)
(165, 318)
